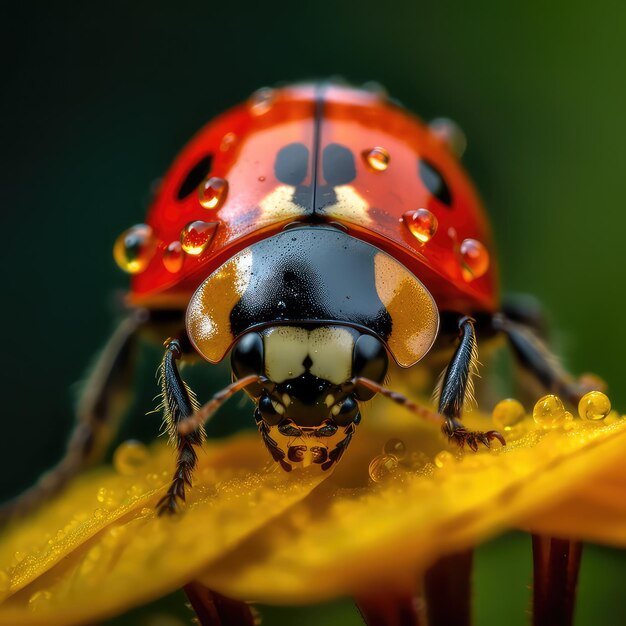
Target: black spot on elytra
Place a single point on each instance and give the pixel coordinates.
(338, 165)
(434, 182)
(292, 163)
(195, 176)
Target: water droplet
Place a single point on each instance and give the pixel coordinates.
(261, 100)
(130, 457)
(444, 459)
(508, 414)
(474, 258)
(375, 87)
(422, 224)
(395, 447)
(18, 556)
(382, 466)
(153, 480)
(134, 248)
(377, 158)
(99, 513)
(261, 179)
(228, 141)
(39, 599)
(451, 133)
(594, 406)
(173, 257)
(549, 412)
(196, 236)
(212, 192)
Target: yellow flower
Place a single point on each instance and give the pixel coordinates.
(253, 533)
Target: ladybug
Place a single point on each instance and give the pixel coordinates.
(311, 233)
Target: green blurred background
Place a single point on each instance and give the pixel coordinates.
(97, 99)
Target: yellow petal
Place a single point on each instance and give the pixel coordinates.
(284, 538)
(100, 549)
(362, 537)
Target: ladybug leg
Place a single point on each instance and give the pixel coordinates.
(178, 403)
(104, 398)
(535, 356)
(457, 388)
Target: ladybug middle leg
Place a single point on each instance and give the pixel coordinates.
(535, 356)
(457, 388)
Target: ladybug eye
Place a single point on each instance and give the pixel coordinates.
(434, 182)
(369, 360)
(195, 176)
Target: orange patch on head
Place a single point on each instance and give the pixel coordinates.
(208, 313)
(414, 314)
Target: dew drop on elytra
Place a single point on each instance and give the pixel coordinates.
(196, 236)
(594, 406)
(212, 192)
(421, 223)
(173, 257)
(377, 159)
(451, 133)
(262, 101)
(134, 248)
(474, 258)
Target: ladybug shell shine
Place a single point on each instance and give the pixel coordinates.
(320, 154)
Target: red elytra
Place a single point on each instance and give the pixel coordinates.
(242, 146)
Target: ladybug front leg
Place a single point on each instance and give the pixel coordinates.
(178, 403)
(457, 388)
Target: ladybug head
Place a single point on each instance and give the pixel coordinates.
(307, 400)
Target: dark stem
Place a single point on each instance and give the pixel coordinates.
(448, 588)
(391, 609)
(556, 563)
(213, 609)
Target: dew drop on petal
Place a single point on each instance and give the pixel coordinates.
(130, 457)
(382, 466)
(377, 159)
(212, 192)
(549, 412)
(173, 257)
(395, 447)
(421, 223)
(474, 259)
(507, 414)
(594, 406)
(196, 236)
(261, 101)
(134, 248)
(39, 599)
(444, 459)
